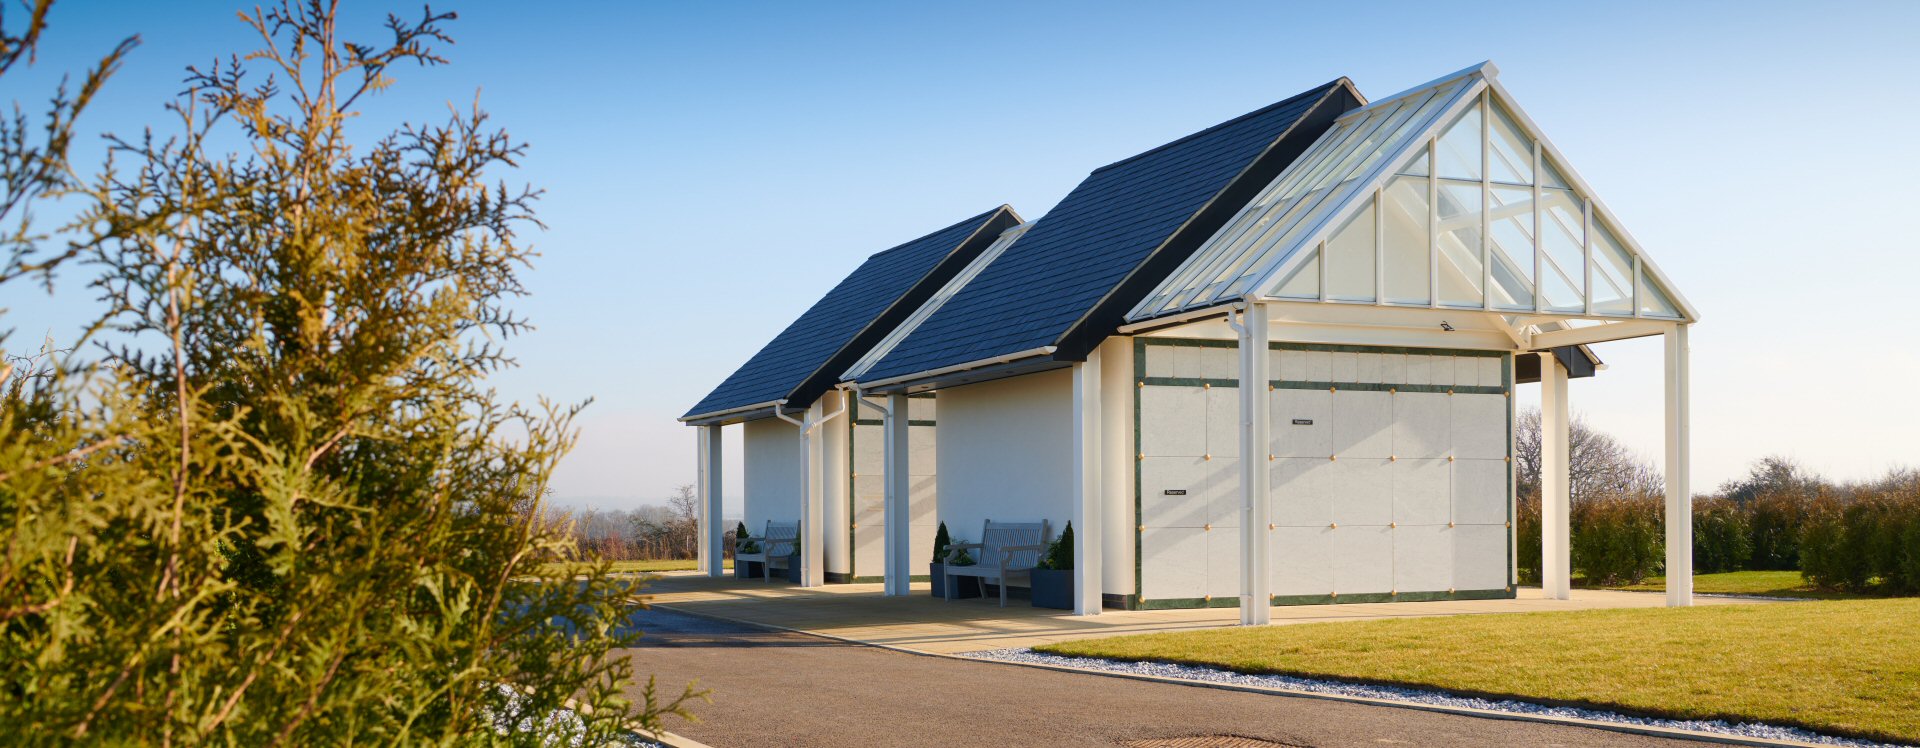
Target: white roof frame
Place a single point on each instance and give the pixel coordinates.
(1188, 289)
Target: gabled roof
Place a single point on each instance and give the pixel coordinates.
(806, 359)
(1068, 282)
(1444, 196)
(940, 298)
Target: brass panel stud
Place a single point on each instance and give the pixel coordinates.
(1334, 595)
(1269, 458)
(1331, 458)
(1208, 457)
(1333, 526)
(1140, 456)
(1141, 528)
(1449, 525)
(1393, 390)
(853, 475)
(1333, 389)
(1206, 528)
(1509, 458)
(1393, 525)
(1206, 385)
(1394, 593)
(1393, 458)
(1208, 598)
(1449, 391)
(1509, 523)
(1270, 526)
(1449, 590)
(1449, 458)
(1269, 387)
(1142, 384)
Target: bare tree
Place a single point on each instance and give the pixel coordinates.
(1599, 465)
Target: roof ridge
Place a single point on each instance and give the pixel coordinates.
(1319, 90)
(974, 219)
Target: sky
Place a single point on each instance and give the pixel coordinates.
(711, 169)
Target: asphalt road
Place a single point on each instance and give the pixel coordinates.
(783, 689)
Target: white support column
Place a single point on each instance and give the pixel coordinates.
(1556, 481)
(837, 483)
(812, 498)
(1679, 471)
(899, 496)
(1087, 499)
(1256, 586)
(713, 532)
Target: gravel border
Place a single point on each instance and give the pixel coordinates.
(1416, 695)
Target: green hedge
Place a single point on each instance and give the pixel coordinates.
(1864, 544)
(1617, 540)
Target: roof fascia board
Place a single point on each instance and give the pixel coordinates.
(1102, 319)
(891, 384)
(732, 415)
(1268, 284)
(1485, 68)
(1572, 175)
(1032, 365)
(963, 253)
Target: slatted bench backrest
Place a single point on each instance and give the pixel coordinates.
(997, 535)
(780, 538)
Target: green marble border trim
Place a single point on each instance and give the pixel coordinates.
(1177, 603)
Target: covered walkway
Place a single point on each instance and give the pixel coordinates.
(922, 623)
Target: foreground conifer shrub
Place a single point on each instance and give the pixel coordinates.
(277, 503)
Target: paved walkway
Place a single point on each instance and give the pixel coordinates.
(860, 612)
(784, 689)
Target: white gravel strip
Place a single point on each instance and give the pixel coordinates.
(1418, 696)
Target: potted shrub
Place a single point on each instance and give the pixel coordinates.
(793, 563)
(964, 587)
(937, 572)
(742, 569)
(1053, 576)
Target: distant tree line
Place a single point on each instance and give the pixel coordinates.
(646, 533)
(1860, 536)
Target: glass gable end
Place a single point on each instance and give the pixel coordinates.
(1441, 197)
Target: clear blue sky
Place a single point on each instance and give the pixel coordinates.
(712, 168)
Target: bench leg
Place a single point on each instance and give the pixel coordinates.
(1003, 592)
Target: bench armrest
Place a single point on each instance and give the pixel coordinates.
(1007, 551)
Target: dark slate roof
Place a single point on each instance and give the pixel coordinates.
(1050, 287)
(806, 359)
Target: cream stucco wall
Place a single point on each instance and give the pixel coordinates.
(771, 476)
(1006, 452)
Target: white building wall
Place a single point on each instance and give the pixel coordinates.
(869, 487)
(1005, 453)
(770, 456)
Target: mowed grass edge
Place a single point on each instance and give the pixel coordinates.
(1848, 668)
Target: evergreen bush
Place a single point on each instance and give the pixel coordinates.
(1059, 554)
(1722, 536)
(1617, 540)
(940, 542)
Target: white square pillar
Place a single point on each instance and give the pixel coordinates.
(1256, 586)
(898, 532)
(812, 498)
(1087, 499)
(836, 469)
(1679, 471)
(1556, 482)
(713, 532)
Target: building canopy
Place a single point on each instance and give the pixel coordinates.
(1445, 196)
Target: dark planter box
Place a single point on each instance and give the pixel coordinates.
(1053, 588)
(742, 569)
(793, 568)
(968, 587)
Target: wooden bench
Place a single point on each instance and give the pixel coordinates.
(776, 541)
(1008, 551)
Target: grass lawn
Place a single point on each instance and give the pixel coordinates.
(1845, 667)
(1767, 583)
(666, 565)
